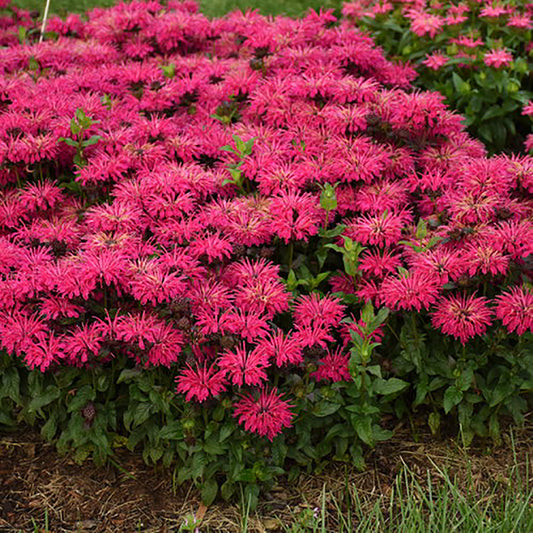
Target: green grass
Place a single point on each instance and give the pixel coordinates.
(212, 8)
(435, 503)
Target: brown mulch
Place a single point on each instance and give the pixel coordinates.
(39, 487)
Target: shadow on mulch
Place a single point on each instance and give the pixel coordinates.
(37, 486)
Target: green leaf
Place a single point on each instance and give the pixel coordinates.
(461, 86)
(375, 370)
(325, 408)
(91, 140)
(50, 394)
(11, 384)
(171, 431)
(128, 374)
(464, 381)
(247, 475)
(367, 313)
(22, 31)
(502, 390)
(169, 71)
(33, 64)
(434, 422)
(227, 490)
(225, 431)
(492, 112)
(452, 397)
(421, 229)
(142, 412)
(328, 198)
(68, 141)
(363, 428)
(239, 144)
(83, 395)
(389, 386)
(49, 429)
(292, 282)
(209, 491)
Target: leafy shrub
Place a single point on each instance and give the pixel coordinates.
(262, 216)
(477, 54)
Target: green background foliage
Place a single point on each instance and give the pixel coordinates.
(212, 8)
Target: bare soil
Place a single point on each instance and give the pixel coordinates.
(38, 487)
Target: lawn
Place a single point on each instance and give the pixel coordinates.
(212, 8)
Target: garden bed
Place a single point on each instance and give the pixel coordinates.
(35, 482)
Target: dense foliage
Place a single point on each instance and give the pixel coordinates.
(265, 211)
(477, 53)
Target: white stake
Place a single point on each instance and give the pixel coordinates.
(45, 16)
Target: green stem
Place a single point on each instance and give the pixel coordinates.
(291, 254)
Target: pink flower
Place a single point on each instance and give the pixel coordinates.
(283, 349)
(244, 366)
(258, 287)
(201, 382)
(380, 230)
(435, 61)
(423, 23)
(462, 316)
(294, 215)
(83, 343)
(482, 258)
(416, 290)
(467, 41)
(515, 309)
(446, 265)
(528, 108)
(44, 351)
(265, 414)
(497, 58)
(522, 22)
(493, 11)
(248, 324)
(314, 311)
(333, 367)
(379, 263)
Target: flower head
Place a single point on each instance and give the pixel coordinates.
(462, 316)
(264, 413)
(497, 58)
(515, 309)
(201, 382)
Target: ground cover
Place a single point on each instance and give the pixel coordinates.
(485, 490)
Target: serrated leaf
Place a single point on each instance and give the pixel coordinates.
(46, 397)
(452, 397)
(389, 386)
(171, 431)
(68, 141)
(225, 431)
(434, 422)
(141, 413)
(492, 112)
(83, 395)
(325, 408)
(128, 374)
(49, 428)
(11, 384)
(91, 140)
(209, 491)
(227, 490)
(363, 428)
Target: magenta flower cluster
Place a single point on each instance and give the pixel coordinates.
(143, 245)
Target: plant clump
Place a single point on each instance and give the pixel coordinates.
(266, 210)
